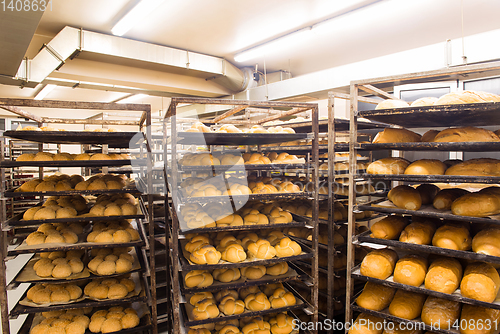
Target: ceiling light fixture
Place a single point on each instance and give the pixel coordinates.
(131, 98)
(44, 91)
(135, 15)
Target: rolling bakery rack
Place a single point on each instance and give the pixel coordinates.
(179, 141)
(477, 114)
(12, 243)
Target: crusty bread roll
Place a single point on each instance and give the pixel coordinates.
(444, 198)
(419, 233)
(429, 136)
(405, 197)
(487, 242)
(410, 270)
(466, 134)
(375, 296)
(483, 203)
(476, 318)
(427, 192)
(388, 228)
(391, 135)
(480, 282)
(476, 167)
(450, 236)
(379, 263)
(444, 275)
(467, 96)
(391, 104)
(367, 324)
(388, 166)
(440, 312)
(426, 167)
(406, 304)
(424, 101)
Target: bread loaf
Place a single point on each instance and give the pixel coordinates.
(450, 236)
(406, 304)
(388, 228)
(427, 192)
(429, 136)
(487, 242)
(475, 320)
(481, 282)
(466, 96)
(388, 166)
(379, 263)
(375, 296)
(367, 324)
(426, 167)
(424, 101)
(391, 135)
(392, 103)
(438, 312)
(444, 275)
(410, 270)
(405, 197)
(483, 203)
(444, 198)
(466, 134)
(419, 233)
(476, 167)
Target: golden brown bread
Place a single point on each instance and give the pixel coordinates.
(410, 270)
(392, 103)
(440, 312)
(479, 320)
(444, 198)
(466, 134)
(388, 166)
(391, 135)
(375, 296)
(476, 167)
(405, 197)
(487, 242)
(424, 101)
(388, 228)
(427, 192)
(485, 202)
(480, 282)
(444, 275)
(452, 236)
(367, 324)
(467, 96)
(406, 304)
(379, 263)
(426, 167)
(429, 136)
(419, 233)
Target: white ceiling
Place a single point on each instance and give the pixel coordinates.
(225, 27)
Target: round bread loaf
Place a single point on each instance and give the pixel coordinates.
(466, 134)
(444, 275)
(476, 167)
(388, 228)
(388, 166)
(379, 263)
(405, 197)
(424, 102)
(480, 282)
(407, 304)
(426, 167)
(455, 237)
(375, 296)
(487, 242)
(391, 135)
(438, 312)
(410, 270)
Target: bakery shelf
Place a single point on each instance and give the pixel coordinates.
(243, 167)
(338, 222)
(245, 198)
(215, 138)
(417, 322)
(431, 178)
(340, 125)
(72, 163)
(472, 114)
(423, 146)
(427, 249)
(455, 296)
(241, 227)
(113, 139)
(13, 194)
(301, 263)
(427, 211)
(299, 274)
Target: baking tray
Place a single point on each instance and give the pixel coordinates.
(340, 125)
(72, 163)
(215, 138)
(427, 249)
(424, 146)
(245, 198)
(187, 266)
(241, 227)
(113, 139)
(12, 193)
(427, 211)
(472, 114)
(456, 296)
(242, 167)
(431, 178)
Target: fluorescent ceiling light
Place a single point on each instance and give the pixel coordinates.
(132, 98)
(44, 91)
(135, 16)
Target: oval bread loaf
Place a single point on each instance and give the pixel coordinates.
(419, 233)
(455, 237)
(406, 304)
(481, 282)
(480, 204)
(405, 197)
(487, 242)
(440, 312)
(426, 167)
(388, 228)
(375, 296)
(444, 198)
(410, 270)
(388, 166)
(444, 275)
(379, 263)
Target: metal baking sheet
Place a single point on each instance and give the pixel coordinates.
(423, 146)
(113, 139)
(240, 167)
(427, 249)
(245, 198)
(427, 211)
(432, 178)
(215, 138)
(472, 114)
(455, 296)
(71, 163)
(13, 193)
(242, 227)
(340, 125)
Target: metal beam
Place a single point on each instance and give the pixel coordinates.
(73, 105)
(229, 113)
(23, 113)
(374, 90)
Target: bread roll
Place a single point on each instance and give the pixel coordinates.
(466, 96)
(405, 197)
(424, 101)
(475, 320)
(483, 203)
(439, 313)
(393, 166)
(426, 167)
(429, 136)
(481, 282)
(455, 237)
(379, 263)
(444, 275)
(466, 134)
(406, 304)
(476, 167)
(410, 270)
(375, 296)
(388, 228)
(427, 192)
(391, 135)
(444, 198)
(367, 324)
(419, 233)
(487, 242)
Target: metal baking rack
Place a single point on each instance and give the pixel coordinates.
(106, 140)
(476, 114)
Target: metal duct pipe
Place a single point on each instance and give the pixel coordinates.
(70, 42)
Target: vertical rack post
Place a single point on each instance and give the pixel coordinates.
(315, 213)
(4, 304)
